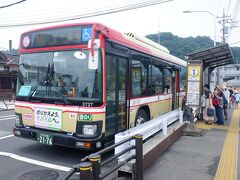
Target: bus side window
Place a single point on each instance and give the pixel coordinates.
(182, 78)
(157, 79)
(167, 81)
(139, 74)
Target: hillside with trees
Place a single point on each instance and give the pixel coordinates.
(181, 47)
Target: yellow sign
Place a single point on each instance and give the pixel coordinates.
(194, 72)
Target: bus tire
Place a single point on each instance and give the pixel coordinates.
(141, 117)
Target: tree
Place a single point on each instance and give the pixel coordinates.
(181, 47)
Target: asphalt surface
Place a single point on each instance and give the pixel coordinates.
(17, 155)
(190, 158)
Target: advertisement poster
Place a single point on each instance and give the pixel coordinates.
(194, 84)
(48, 118)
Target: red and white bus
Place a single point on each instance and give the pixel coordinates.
(80, 84)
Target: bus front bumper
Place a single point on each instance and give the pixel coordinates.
(60, 139)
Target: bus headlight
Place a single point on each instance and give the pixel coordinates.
(89, 129)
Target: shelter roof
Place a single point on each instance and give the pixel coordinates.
(214, 57)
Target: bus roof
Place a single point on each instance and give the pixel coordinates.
(130, 40)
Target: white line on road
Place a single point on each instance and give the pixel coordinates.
(5, 119)
(2, 117)
(35, 162)
(5, 137)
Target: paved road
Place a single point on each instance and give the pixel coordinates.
(18, 156)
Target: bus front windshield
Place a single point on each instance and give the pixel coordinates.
(59, 75)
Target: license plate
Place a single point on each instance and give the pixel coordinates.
(45, 139)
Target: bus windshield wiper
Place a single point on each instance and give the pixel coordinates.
(41, 82)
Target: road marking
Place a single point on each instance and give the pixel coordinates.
(227, 167)
(2, 117)
(35, 162)
(5, 119)
(5, 137)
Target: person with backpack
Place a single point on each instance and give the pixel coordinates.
(217, 102)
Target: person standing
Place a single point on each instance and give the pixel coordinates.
(230, 96)
(207, 95)
(218, 104)
(226, 95)
(237, 97)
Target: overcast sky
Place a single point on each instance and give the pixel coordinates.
(166, 17)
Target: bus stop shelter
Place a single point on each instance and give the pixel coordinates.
(211, 58)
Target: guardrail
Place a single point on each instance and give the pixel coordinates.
(149, 128)
(128, 146)
(90, 166)
(150, 150)
(6, 104)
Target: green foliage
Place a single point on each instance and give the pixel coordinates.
(181, 47)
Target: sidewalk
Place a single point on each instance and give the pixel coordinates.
(197, 158)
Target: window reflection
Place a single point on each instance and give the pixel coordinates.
(71, 76)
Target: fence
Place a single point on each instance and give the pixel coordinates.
(6, 103)
(90, 166)
(128, 147)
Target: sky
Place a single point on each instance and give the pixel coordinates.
(164, 17)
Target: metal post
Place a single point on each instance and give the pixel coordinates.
(139, 157)
(191, 116)
(85, 171)
(180, 116)
(96, 168)
(164, 127)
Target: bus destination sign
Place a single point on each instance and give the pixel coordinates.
(65, 36)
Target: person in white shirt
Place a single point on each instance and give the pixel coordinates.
(225, 105)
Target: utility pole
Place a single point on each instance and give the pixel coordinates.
(223, 21)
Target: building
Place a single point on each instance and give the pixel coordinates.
(8, 75)
(228, 75)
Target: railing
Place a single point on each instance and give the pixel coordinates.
(128, 146)
(149, 128)
(90, 166)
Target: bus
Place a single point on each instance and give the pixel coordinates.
(80, 84)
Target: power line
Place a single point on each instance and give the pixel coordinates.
(228, 6)
(91, 14)
(236, 10)
(219, 2)
(74, 10)
(234, 43)
(1, 7)
(234, 16)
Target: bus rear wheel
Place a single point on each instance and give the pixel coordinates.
(141, 117)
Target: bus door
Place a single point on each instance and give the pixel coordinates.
(175, 89)
(116, 94)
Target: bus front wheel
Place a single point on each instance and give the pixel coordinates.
(141, 117)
